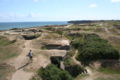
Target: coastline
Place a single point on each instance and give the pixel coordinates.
(20, 25)
(36, 29)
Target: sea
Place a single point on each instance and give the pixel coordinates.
(11, 25)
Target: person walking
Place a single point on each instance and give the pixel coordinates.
(30, 55)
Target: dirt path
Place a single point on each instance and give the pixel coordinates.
(92, 73)
(24, 69)
(20, 62)
(74, 58)
(107, 31)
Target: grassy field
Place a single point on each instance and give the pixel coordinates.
(81, 76)
(108, 78)
(109, 71)
(5, 70)
(8, 49)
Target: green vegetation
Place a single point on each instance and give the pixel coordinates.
(71, 52)
(5, 70)
(6, 49)
(49, 28)
(56, 60)
(68, 58)
(71, 67)
(4, 41)
(51, 36)
(61, 33)
(109, 70)
(68, 61)
(113, 78)
(74, 70)
(7, 53)
(79, 77)
(91, 47)
(52, 72)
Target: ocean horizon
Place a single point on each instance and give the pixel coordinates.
(11, 25)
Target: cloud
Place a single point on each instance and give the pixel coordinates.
(93, 5)
(115, 1)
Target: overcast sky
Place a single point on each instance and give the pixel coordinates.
(58, 10)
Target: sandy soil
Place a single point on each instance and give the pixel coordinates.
(24, 69)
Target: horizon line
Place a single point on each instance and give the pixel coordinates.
(65, 21)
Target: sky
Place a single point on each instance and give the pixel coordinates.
(58, 10)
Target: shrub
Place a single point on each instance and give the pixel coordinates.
(56, 60)
(71, 52)
(51, 72)
(68, 61)
(74, 70)
(91, 47)
(78, 43)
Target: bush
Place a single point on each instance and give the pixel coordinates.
(74, 70)
(78, 43)
(56, 60)
(91, 47)
(68, 61)
(71, 52)
(51, 72)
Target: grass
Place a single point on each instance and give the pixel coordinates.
(68, 61)
(109, 71)
(114, 31)
(5, 71)
(88, 29)
(51, 36)
(4, 41)
(114, 78)
(7, 49)
(81, 76)
(115, 41)
(7, 53)
(100, 30)
(49, 28)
